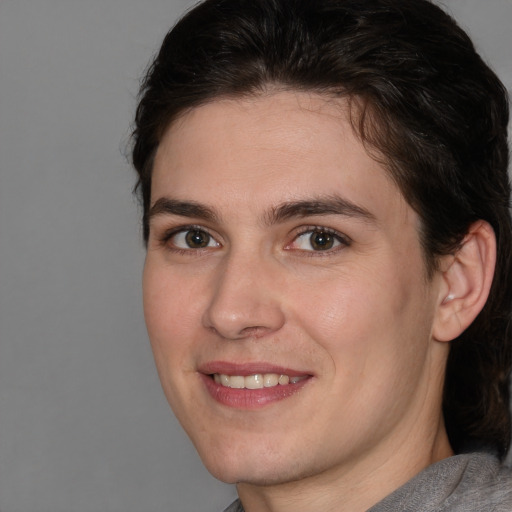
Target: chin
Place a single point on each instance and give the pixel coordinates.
(259, 466)
(253, 476)
(236, 464)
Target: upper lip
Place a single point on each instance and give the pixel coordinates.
(250, 368)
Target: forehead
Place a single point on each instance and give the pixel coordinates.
(253, 152)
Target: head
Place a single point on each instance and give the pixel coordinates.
(423, 104)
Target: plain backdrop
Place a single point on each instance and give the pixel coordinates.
(84, 426)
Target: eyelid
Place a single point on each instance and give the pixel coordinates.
(344, 240)
(167, 235)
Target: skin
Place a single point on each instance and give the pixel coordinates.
(358, 318)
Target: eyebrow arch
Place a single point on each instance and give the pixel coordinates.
(330, 205)
(167, 206)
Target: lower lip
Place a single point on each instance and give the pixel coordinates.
(250, 398)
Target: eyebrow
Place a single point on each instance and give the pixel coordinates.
(330, 205)
(168, 206)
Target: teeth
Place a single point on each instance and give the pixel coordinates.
(257, 381)
(270, 380)
(253, 381)
(284, 379)
(236, 381)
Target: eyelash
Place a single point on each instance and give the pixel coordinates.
(167, 236)
(343, 240)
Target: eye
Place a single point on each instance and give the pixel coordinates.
(192, 238)
(318, 239)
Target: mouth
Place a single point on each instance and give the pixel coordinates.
(256, 381)
(251, 386)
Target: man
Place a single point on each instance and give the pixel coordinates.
(327, 285)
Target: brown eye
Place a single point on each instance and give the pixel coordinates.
(321, 241)
(197, 239)
(318, 240)
(191, 238)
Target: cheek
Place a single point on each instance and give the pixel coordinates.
(365, 318)
(377, 341)
(171, 315)
(339, 309)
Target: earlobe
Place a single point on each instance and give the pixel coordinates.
(466, 281)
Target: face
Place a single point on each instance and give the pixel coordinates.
(285, 292)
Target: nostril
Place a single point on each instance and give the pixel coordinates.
(255, 332)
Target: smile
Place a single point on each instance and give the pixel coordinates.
(256, 381)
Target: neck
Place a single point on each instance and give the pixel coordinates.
(355, 486)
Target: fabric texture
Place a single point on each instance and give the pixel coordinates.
(473, 482)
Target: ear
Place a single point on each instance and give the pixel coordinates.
(466, 279)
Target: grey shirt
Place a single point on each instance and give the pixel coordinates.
(473, 482)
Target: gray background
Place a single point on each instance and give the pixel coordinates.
(84, 425)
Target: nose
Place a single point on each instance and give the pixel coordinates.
(245, 299)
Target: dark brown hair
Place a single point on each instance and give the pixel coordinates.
(424, 103)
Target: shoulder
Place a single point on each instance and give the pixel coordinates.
(485, 485)
(236, 506)
(470, 482)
